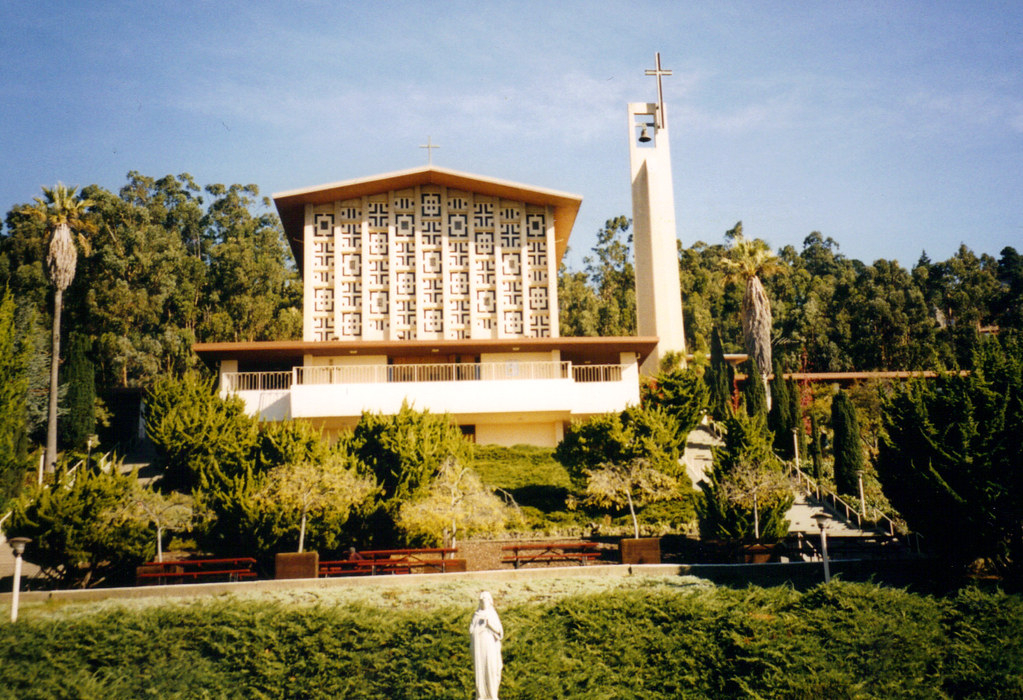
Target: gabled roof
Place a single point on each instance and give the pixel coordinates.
(291, 204)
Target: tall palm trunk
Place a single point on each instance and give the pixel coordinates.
(51, 423)
(60, 262)
(756, 328)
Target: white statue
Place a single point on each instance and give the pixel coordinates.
(485, 635)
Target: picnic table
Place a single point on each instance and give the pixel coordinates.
(524, 553)
(394, 561)
(193, 570)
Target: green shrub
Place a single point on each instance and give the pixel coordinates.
(200, 438)
(406, 450)
(74, 540)
(640, 638)
(649, 434)
(745, 465)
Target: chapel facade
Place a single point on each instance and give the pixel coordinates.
(437, 288)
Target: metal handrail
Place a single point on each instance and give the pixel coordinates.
(825, 495)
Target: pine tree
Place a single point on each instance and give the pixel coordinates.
(848, 449)
(80, 377)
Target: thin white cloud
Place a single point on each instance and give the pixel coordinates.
(973, 108)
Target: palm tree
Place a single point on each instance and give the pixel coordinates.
(746, 263)
(63, 213)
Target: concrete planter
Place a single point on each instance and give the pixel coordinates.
(644, 550)
(297, 565)
(757, 553)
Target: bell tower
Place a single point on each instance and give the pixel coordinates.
(658, 292)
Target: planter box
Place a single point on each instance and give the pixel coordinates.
(297, 565)
(757, 553)
(645, 550)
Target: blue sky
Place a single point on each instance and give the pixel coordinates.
(892, 127)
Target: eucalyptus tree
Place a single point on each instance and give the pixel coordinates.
(747, 261)
(64, 214)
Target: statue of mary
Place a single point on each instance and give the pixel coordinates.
(485, 634)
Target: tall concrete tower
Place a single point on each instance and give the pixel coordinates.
(658, 293)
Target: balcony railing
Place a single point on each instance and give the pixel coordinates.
(597, 373)
(381, 374)
(476, 371)
(256, 381)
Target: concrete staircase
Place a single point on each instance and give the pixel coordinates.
(698, 457)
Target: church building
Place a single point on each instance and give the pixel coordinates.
(439, 288)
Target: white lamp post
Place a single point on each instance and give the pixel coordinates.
(822, 519)
(863, 501)
(18, 545)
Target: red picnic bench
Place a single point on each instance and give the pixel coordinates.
(394, 561)
(185, 570)
(548, 552)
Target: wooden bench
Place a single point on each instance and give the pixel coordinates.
(394, 561)
(194, 570)
(549, 552)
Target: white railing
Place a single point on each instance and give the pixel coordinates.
(469, 371)
(232, 382)
(597, 373)
(256, 381)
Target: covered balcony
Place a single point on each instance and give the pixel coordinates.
(461, 389)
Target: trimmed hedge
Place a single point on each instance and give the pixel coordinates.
(646, 641)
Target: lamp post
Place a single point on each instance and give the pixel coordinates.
(822, 519)
(863, 501)
(18, 545)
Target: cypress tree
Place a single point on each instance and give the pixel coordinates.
(80, 379)
(14, 356)
(780, 418)
(816, 453)
(796, 417)
(847, 448)
(719, 378)
(753, 390)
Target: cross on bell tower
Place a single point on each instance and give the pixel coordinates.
(660, 119)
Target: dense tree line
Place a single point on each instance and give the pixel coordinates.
(830, 312)
(167, 263)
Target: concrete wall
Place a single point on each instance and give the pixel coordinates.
(542, 434)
